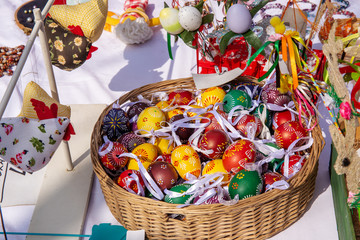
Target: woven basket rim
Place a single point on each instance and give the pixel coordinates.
(294, 181)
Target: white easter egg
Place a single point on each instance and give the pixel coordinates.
(169, 19)
(190, 18)
(238, 18)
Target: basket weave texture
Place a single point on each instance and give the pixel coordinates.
(258, 217)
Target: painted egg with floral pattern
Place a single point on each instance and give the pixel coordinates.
(186, 160)
(136, 109)
(195, 111)
(289, 132)
(236, 98)
(270, 178)
(164, 158)
(216, 166)
(242, 125)
(162, 104)
(213, 198)
(271, 94)
(237, 155)
(181, 97)
(130, 140)
(150, 119)
(214, 143)
(183, 132)
(245, 184)
(164, 146)
(180, 188)
(112, 160)
(116, 123)
(212, 95)
(296, 162)
(164, 174)
(214, 123)
(174, 112)
(147, 153)
(251, 87)
(130, 180)
(282, 117)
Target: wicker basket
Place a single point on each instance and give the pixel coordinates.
(258, 217)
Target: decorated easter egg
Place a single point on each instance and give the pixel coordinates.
(174, 112)
(180, 97)
(181, 188)
(243, 127)
(194, 111)
(270, 178)
(136, 109)
(238, 18)
(245, 184)
(282, 117)
(169, 19)
(288, 132)
(164, 146)
(296, 162)
(131, 141)
(259, 111)
(164, 174)
(112, 160)
(216, 166)
(271, 94)
(214, 123)
(251, 87)
(186, 160)
(210, 196)
(236, 98)
(183, 132)
(164, 158)
(116, 123)
(237, 155)
(266, 151)
(150, 119)
(131, 181)
(214, 143)
(147, 154)
(162, 104)
(190, 18)
(212, 95)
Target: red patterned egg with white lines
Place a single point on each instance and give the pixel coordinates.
(294, 164)
(282, 117)
(112, 159)
(289, 132)
(212, 95)
(164, 174)
(214, 123)
(243, 122)
(215, 140)
(271, 94)
(271, 177)
(180, 97)
(237, 155)
(130, 180)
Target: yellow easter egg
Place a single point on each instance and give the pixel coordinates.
(163, 145)
(193, 114)
(147, 154)
(216, 166)
(186, 160)
(212, 95)
(150, 119)
(174, 112)
(162, 104)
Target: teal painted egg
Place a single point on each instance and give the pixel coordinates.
(179, 189)
(236, 98)
(245, 184)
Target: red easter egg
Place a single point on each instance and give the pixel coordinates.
(282, 117)
(214, 124)
(288, 132)
(180, 97)
(237, 155)
(127, 180)
(271, 177)
(215, 140)
(294, 165)
(164, 158)
(241, 125)
(182, 132)
(111, 159)
(271, 94)
(164, 174)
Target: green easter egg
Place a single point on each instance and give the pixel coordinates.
(259, 110)
(235, 98)
(245, 184)
(180, 189)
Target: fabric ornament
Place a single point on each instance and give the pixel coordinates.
(90, 16)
